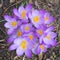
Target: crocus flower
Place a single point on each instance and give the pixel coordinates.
(22, 13)
(31, 36)
(11, 23)
(22, 45)
(41, 48)
(16, 34)
(49, 37)
(26, 28)
(48, 18)
(36, 18)
(40, 30)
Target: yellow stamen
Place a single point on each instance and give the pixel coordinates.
(19, 33)
(42, 47)
(36, 19)
(46, 18)
(23, 44)
(39, 32)
(26, 28)
(13, 24)
(48, 37)
(30, 37)
(23, 14)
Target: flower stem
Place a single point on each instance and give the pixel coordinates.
(40, 56)
(24, 57)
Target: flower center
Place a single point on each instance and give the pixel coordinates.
(30, 37)
(46, 18)
(36, 19)
(13, 24)
(26, 28)
(39, 32)
(42, 47)
(23, 14)
(23, 44)
(48, 37)
(19, 33)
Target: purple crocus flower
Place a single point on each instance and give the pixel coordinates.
(41, 48)
(36, 18)
(11, 24)
(31, 36)
(46, 16)
(40, 30)
(22, 13)
(16, 34)
(48, 37)
(26, 28)
(22, 45)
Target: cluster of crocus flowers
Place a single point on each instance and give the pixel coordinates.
(29, 31)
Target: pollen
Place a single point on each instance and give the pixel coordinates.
(48, 37)
(13, 24)
(42, 47)
(23, 14)
(36, 19)
(39, 32)
(26, 28)
(23, 44)
(19, 33)
(30, 37)
(46, 18)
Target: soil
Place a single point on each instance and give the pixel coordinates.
(52, 6)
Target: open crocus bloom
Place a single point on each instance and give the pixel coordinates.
(26, 28)
(22, 12)
(40, 30)
(49, 37)
(17, 33)
(31, 36)
(11, 24)
(41, 48)
(36, 18)
(22, 45)
(47, 18)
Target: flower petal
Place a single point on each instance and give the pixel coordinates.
(10, 31)
(28, 53)
(53, 42)
(20, 9)
(28, 7)
(7, 18)
(11, 39)
(50, 29)
(13, 47)
(19, 51)
(17, 41)
(7, 25)
(15, 11)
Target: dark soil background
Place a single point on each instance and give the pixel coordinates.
(6, 6)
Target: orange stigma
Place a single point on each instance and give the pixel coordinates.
(30, 37)
(19, 33)
(13, 23)
(42, 47)
(23, 14)
(39, 32)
